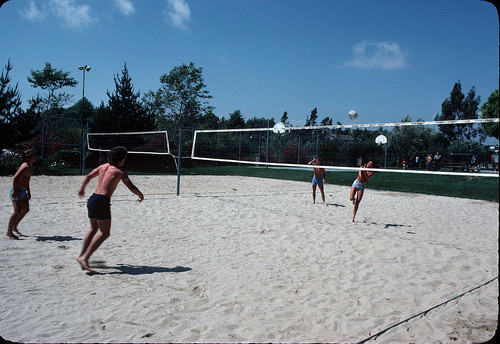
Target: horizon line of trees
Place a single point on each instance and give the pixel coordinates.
(182, 101)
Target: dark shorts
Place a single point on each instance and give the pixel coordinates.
(99, 207)
(22, 194)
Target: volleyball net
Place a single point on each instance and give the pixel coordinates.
(398, 147)
(150, 142)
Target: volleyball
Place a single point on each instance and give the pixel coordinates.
(353, 114)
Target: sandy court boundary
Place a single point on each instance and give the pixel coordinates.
(247, 259)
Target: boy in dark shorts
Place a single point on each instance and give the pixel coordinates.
(20, 193)
(99, 211)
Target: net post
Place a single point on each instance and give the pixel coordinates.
(179, 157)
(267, 144)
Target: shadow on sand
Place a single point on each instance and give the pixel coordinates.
(125, 269)
(57, 238)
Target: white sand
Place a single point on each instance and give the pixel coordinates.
(236, 259)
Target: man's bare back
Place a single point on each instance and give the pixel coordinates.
(109, 177)
(23, 175)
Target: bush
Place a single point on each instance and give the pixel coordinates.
(64, 158)
(10, 162)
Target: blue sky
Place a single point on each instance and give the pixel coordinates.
(386, 59)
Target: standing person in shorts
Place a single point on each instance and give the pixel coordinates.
(359, 184)
(20, 193)
(318, 179)
(99, 210)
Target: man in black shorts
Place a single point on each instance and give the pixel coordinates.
(99, 211)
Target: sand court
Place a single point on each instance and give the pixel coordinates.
(240, 259)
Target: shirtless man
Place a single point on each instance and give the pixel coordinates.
(99, 211)
(20, 193)
(359, 184)
(318, 179)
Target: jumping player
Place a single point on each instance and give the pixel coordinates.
(359, 184)
(99, 211)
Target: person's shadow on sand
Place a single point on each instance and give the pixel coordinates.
(56, 238)
(126, 269)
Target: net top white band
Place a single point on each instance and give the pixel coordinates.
(371, 125)
(343, 168)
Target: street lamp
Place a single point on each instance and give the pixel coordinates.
(82, 148)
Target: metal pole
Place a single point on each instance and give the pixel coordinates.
(267, 144)
(43, 132)
(298, 152)
(217, 150)
(179, 157)
(317, 143)
(84, 143)
(385, 155)
(81, 148)
(259, 146)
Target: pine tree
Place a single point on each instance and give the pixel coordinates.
(311, 120)
(10, 106)
(124, 112)
(10, 99)
(458, 106)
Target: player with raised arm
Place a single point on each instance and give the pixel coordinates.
(99, 206)
(359, 185)
(319, 179)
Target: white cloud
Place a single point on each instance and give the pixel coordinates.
(73, 15)
(125, 6)
(178, 13)
(377, 55)
(33, 13)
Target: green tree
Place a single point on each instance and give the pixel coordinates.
(124, 111)
(51, 80)
(326, 121)
(182, 98)
(458, 106)
(255, 122)
(311, 120)
(491, 109)
(210, 121)
(10, 107)
(235, 121)
(406, 142)
(284, 119)
(470, 109)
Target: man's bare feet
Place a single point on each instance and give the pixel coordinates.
(12, 236)
(84, 264)
(17, 231)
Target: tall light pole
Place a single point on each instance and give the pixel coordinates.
(82, 148)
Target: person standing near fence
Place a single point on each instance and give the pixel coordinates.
(437, 161)
(429, 162)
